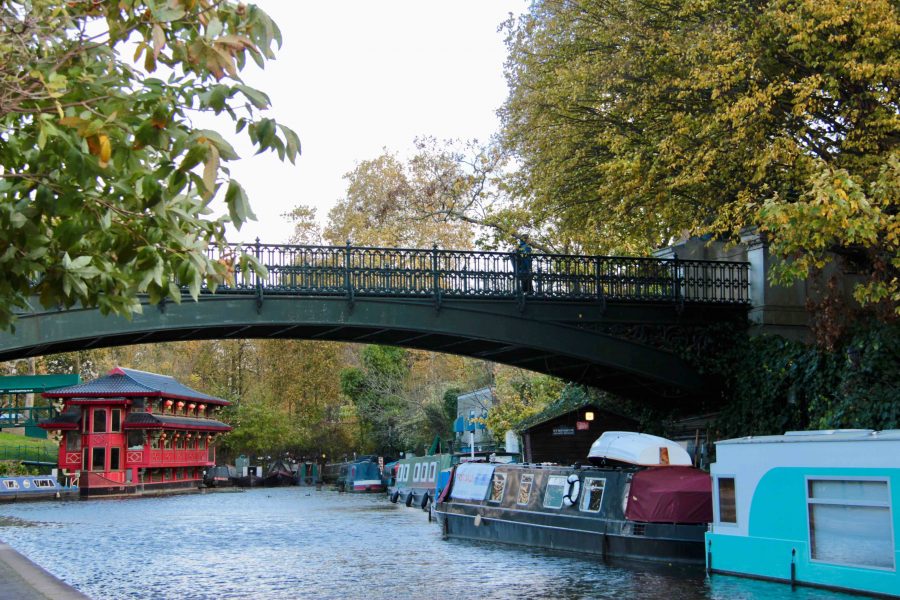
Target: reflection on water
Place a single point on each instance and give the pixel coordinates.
(293, 543)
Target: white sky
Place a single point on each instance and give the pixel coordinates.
(354, 77)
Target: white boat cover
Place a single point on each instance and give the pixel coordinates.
(638, 449)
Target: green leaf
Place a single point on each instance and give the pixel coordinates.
(256, 97)
(226, 151)
(238, 204)
(213, 29)
(293, 143)
(167, 12)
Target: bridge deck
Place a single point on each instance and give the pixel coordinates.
(435, 273)
(611, 322)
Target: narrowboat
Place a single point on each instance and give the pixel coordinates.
(639, 499)
(308, 473)
(814, 508)
(33, 487)
(360, 475)
(417, 477)
(280, 473)
(219, 476)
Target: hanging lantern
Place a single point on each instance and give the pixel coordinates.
(180, 405)
(192, 406)
(169, 403)
(202, 407)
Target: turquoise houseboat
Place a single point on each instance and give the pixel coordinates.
(815, 508)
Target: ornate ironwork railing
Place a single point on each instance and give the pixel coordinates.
(434, 273)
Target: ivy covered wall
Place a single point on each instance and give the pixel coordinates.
(773, 385)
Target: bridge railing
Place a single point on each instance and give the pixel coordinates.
(408, 272)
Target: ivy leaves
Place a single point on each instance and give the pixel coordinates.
(106, 182)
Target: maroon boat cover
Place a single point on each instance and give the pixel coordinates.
(670, 495)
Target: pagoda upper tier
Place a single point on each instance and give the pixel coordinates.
(128, 383)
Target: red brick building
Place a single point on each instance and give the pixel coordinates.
(132, 431)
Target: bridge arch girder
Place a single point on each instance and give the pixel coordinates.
(542, 338)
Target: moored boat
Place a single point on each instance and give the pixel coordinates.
(18, 488)
(652, 509)
(219, 476)
(280, 473)
(815, 508)
(360, 475)
(417, 478)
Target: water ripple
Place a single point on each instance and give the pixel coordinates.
(290, 543)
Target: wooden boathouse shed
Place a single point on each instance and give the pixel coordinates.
(564, 431)
(132, 431)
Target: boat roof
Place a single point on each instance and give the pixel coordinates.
(122, 382)
(640, 449)
(821, 435)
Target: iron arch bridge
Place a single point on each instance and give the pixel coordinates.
(609, 322)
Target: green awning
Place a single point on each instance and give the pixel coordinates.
(25, 384)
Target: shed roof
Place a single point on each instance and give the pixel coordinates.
(122, 382)
(566, 404)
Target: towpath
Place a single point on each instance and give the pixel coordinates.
(21, 579)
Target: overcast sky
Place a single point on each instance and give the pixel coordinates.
(353, 77)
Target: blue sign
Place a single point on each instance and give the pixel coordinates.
(463, 424)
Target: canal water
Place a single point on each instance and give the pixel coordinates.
(299, 543)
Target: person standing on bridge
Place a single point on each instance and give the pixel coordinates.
(523, 264)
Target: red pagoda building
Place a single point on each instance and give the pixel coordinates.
(132, 431)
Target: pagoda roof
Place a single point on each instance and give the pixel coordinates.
(67, 421)
(121, 382)
(145, 420)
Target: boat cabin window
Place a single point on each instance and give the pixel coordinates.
(404, 476)
(727, 501)
(44, 483)
(73, 441)
(11, 484)
(850, 522)
(114, 459)
(592, 496)
(498, 484)
(116, 425)
(432, 471)
(417, 472)
(99, 420)
(525, 485)
(556, 489)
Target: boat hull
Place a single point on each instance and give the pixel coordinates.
(682, 544)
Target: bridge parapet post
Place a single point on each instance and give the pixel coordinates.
(348, 281)
(436, 276)
(259, 283)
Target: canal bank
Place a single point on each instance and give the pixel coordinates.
(23, 580)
